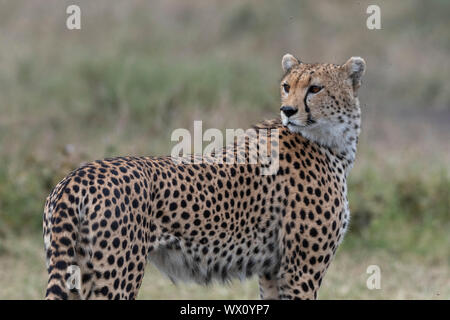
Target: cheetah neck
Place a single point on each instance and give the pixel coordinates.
(342, 142)
(341, 139)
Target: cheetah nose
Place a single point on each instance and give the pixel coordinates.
(288, 110)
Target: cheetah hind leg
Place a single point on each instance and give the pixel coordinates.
(106, 275)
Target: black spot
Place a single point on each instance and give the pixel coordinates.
(65, 241)
(98, 255)
(114, 225)
(61, 265)
(185, 215)
(56, 290)
(116, 242)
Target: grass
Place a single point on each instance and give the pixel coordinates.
(23, 276)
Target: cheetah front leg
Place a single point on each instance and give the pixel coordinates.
(303, 265)
(295, 285)
(268, 287)
(302, 270)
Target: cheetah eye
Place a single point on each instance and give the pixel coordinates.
(286, 87)
(314, 89)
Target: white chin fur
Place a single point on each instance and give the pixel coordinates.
(294, 128)
(284, 119)
(320, 132)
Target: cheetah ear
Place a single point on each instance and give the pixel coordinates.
(355, 68)
(288, 62)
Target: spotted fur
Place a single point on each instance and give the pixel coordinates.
(215, 221)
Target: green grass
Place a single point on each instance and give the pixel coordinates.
(404, 211)
(403, 276)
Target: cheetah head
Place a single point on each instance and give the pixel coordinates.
(320, 101)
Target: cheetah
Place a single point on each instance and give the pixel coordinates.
(215, 221)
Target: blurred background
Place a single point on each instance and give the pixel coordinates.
(138, 70)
